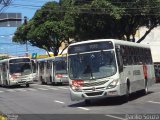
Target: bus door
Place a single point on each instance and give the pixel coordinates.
(125, 68)
(48, 71)
(52, 71)
(41, 70)
(4, 74)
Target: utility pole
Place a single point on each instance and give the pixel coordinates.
(25, 23)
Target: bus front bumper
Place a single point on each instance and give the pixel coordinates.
(75, 96)
(21, 82)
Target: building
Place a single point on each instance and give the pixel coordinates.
(152, 39)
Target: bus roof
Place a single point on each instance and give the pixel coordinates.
(115, 41)
(56, 58)
(5, 60)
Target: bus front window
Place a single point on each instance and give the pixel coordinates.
(61, 67)
(23, 68)
(93, 65)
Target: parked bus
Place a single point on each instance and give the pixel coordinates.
(53, 70)
(157, 71)
(107, 68)
(15, 71)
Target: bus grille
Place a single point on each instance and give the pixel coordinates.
(94, 93)
(94, 83)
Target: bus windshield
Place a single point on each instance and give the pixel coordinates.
(92, 65)
(61, 67)
(22, 68)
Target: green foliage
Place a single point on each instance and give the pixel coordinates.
(81, 20)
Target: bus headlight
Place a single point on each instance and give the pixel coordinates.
(113, 84)
(76, 85)
(77, 89)
(12, 77)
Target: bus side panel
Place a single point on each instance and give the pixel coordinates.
(124, 76)
(138, 78)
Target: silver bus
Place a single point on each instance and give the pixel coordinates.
(53, 70)
(16, 71)
(108, 68)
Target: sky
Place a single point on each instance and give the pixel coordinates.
(26, 8)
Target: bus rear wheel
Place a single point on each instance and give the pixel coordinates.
(126, 96)
(27, 85)
(42, 81)
(87, 101)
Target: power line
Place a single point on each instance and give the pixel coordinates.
(4, 4)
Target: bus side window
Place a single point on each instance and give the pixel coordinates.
(119, 58)
(124, 56)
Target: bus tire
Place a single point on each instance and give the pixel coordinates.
(87, 102)
(27, 85)
(50, 78)
(42, 82)
(5, 83)
(126, 96)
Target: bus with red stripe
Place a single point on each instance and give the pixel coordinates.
(108, 68)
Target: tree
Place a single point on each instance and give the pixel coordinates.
(115, 18)
(88, 19)
(47, 29)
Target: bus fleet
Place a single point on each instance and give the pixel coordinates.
(94, 69)
(52, 70)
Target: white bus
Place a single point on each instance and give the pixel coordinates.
(15, 71)
(53, 70)
(107, 68)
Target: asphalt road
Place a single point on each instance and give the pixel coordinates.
(47, 102)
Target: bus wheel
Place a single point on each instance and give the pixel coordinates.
(27, 85)
(50, 79)
(126, 96)
(42, 82)
(87, 101)
(5, 83)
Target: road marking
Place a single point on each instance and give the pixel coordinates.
(119, 118)
(154, 102)
(31, 89)
(59, 102)
(36, 85)
(157, 93)
(63, 88)
(53, 88)
(48, 86)
(22, 90)
(11, 90)
(42, 89)
(1, 91)
(83, 108)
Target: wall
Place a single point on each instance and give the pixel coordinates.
(153, 39)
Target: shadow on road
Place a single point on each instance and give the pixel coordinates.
(114, 101)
